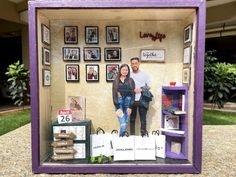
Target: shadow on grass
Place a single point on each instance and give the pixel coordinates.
(211, 117)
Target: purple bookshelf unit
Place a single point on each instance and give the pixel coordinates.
(45, 9)
(175, 98)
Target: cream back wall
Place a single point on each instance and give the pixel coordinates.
(191, 20)
(98, 95)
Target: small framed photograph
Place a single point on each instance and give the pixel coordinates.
(186, 76)
(70, 34)
(71, 53)
(187, 55)
(152, 55)
(91, 35)
(111, 72)
(92, 72)
(171, 122)
(45, 34)
(112, 34)
(175, 147)
(46, 77)
(112, 54)
(46, 56)
(92, 53)
(72, 73)
(188, 34)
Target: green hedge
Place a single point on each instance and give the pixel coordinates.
(219, 80)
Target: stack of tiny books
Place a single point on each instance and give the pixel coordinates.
(63, 148)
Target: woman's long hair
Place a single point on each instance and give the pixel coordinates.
(117, 79)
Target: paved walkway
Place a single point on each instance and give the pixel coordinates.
(219, 155)
(228, 107)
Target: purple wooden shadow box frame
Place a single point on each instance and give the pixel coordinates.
(195, 167)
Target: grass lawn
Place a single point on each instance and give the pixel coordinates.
(12, 121)
(218, 118)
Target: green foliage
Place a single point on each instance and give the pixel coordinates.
(18, 79)
(219, 80)
(92, 159)
(101, 159)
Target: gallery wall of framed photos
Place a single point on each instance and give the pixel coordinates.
(104, 52)
(82, 58)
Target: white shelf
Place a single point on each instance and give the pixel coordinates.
(180, 132)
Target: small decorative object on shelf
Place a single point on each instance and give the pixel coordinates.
(175, 121)
(172, 83)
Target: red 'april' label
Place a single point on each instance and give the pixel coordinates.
(63, 112)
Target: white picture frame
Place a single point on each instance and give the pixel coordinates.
(187, 55)
(186, 76)
(45, 34)
(46, 77)
(171, 122)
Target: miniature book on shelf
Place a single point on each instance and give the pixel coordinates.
(77, 105)
(173, 103)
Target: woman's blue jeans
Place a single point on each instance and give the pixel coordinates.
(124, 120)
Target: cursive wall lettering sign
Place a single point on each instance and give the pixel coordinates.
(154, 37)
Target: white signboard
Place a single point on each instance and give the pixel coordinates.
(153, 55)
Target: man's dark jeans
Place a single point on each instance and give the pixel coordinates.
(142, 113)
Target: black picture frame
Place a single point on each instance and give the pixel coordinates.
(71, 34)
(72, 73)
(111, 72)
(46, 56)
(188, 30)
(112, 54)
(112, 34)
(45, 34)
(92, 54)
(92, 72)
(91, 34)
(71, 53)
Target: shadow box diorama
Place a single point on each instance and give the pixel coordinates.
(76, 51)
